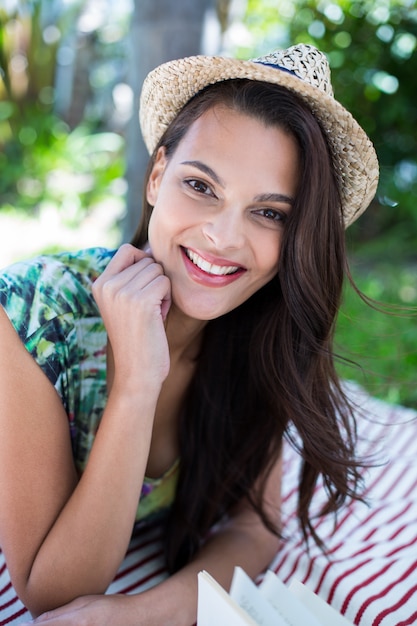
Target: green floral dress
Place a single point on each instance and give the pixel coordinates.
(50, 304)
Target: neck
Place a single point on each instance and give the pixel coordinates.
(184, 334)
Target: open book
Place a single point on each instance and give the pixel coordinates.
(271, 603)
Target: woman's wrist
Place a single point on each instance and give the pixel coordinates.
(142, 394)
(169, 604)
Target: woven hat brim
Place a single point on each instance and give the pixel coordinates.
(171, 85)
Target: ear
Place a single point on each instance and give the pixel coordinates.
(155, 178)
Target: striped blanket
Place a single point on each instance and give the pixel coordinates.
(370, 571)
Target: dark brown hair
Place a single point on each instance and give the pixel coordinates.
(268, 364)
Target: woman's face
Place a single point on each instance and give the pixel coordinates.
(220, 203)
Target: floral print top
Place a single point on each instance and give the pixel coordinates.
(50, 304)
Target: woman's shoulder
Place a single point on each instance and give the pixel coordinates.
(51, 285)
(83, 266)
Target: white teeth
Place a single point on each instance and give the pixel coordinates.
(210, 268)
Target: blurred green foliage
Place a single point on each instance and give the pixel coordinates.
(381, 347)
(43, 160)
(46, 162)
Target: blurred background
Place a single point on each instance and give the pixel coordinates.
(72, 158)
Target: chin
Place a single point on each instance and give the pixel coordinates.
(200, 311)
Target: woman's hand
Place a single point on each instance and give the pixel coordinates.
(134, 297)
(112, 610)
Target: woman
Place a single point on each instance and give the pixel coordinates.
(181, 361)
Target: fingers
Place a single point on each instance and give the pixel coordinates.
(134, 297)
(142, 273)
(126, 256)
(131, 271)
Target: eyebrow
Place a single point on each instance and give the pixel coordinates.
(274, 197)
(263, 197)
(206, 169)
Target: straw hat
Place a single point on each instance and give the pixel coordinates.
(302, 69)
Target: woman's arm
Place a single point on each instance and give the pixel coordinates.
(243, 541)
(64, 537)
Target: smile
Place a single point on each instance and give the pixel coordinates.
(210, 268)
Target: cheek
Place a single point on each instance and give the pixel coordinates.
(154, 235)
(165, 224)
(268, 256)
(173, 214)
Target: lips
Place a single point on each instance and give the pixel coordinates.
(210, 271)
(210, 268)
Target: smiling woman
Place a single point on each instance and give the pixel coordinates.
(158, 382)
(230, 217)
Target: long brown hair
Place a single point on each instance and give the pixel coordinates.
(268, 363)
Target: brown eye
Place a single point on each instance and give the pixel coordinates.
(272, 214)
(200, 187)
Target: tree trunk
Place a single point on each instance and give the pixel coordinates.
(160, 30)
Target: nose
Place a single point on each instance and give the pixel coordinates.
(225, 229)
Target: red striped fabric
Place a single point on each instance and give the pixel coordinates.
(370, 571)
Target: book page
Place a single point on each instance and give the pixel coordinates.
(246, 594)
(325, 613)
(290, 609)
(216, 607)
